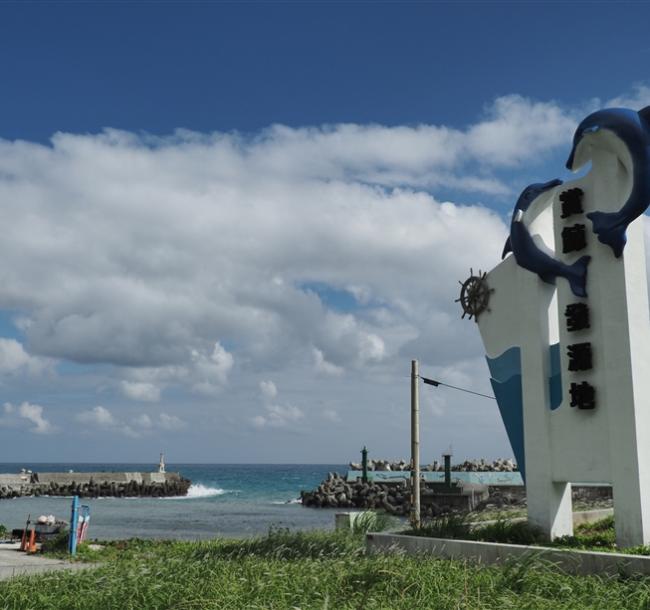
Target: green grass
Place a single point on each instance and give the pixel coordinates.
(372, 521)
(307, 571)
(459, 526)
(597, 536)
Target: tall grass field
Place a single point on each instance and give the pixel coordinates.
(303, 571)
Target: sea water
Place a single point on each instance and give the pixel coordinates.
(224, 500)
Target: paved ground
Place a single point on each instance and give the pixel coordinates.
(14, 563)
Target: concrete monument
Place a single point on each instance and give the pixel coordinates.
(566, 326)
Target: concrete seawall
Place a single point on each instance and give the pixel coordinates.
(94, 484)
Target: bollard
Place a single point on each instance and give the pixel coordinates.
(364, 464)
(447, 455)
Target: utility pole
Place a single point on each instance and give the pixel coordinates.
(415, 447)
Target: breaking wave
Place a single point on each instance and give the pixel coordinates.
(197, 490)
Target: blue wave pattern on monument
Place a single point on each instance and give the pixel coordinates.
(505, 373)
(633, 129)
(529, 256)
(555, 380)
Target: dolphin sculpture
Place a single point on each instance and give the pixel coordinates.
(530, 257)
(633, 129)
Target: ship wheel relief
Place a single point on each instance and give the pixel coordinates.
(474, 295)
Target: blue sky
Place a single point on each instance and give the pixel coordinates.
(229, 227)
(222, 66)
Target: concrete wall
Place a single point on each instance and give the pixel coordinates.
(94, 484)
(573, 562)
(13, 480)
(567, 445)
(67, 478)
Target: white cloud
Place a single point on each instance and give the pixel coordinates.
(197, 242)
(29, 412)
(171, 422)
(268, 388)
(103, 418)
(199, 251)
(323, 366)
(637, 99)
(143, 421)
(14, 359)
(138, 390)
(331, 415)
(517, 129)
(278, 416)
(258, 421)
(211, 372)
(34, 413)
(97, 416)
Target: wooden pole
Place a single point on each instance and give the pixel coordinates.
(415, 447)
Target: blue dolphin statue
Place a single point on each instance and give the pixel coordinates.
(530, 257)
(633, 129)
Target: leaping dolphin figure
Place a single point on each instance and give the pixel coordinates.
(530, 257)
(633, 129)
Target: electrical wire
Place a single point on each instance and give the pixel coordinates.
(436, 383)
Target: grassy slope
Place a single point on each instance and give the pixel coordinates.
(305, 571)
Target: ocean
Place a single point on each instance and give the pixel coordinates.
(228, 500)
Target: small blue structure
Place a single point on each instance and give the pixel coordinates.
(74, 520)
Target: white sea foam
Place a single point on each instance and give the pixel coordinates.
(197, 490)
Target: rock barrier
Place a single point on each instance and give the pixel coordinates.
(95, 485)
(336, 492)
(394, 496)
(481, 465)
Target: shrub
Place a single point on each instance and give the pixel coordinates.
(509, 532)
(450, 525)
(371, 521)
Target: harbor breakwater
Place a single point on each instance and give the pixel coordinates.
(394, 496)
(94, 484)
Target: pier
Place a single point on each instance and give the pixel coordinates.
(94, 484)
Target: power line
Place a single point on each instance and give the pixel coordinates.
(436, 383)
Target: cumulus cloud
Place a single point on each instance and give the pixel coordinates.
(268, 389)
(278, 416)
(135, 427)
(138, 390)
(143, 421)
(638, 98)
(16, 415)
(34, 413)
(188, 261)
(211, 371)
(331, 415)
(170, 422)
(275, 415)
(14, 359)
(195, 242)
(323, 366)
(98, 416)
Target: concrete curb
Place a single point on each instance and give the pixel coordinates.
(570, 561)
